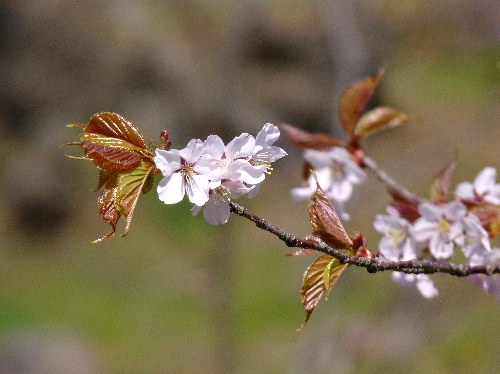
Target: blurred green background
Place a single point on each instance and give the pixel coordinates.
(178, 295)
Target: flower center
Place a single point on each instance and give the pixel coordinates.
(443, 227)
(221, 195)
(187, 170)
(337, 171)
(397, 237)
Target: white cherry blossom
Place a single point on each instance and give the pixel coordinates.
(185, 171)
(439, 226)
(397, 242)
(231, 158)
(344, 172)
(336, 173)
(475, 239)
(484, 188)
(423, 283)
(489, 283)
(323, 178)
(216, 210)
(265, 152)
(236, 170)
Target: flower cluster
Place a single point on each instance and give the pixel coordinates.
(439, 229)
(211, 173)
(336, 173)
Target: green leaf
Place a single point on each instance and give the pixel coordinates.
(129, 187)
(120, 195)
(321, 275)
(331, 274)
(379, 118)
(354, 100)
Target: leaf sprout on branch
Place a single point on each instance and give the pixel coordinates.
(420, 235)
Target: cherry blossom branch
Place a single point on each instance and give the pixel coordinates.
(391, 184)
(372, 265)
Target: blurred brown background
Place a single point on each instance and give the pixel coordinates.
(177, 295)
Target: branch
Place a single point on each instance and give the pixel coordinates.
(391, 184)
(372, 265)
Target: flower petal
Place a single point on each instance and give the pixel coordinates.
(241, 146)
(214, 146)
(485, 180)
(167, 161)
(426, 286)
(171, 189)
(197, 189)
(267, 136)
(193, 151)
(216, 211)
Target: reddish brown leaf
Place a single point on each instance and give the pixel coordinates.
(107, 208)
(320, 276)
(306, 171)
(326, 223)
(165, 142)
(111, 159)
(489, 216)
(406, 208)
(112, 125)
(354, 100)
(305, 139)
(440, 188)
(379, 118)
(126, 167)
(112, 143)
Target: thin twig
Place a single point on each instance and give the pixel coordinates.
(391, 184)
(372, 265)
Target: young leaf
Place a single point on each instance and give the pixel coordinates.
(305, 139)
(112, 125)
(120, 195)
(406, 208)
(320, 276)
(107, 208)
(326, 223)
(110, 158)
(126, 166)
(112, 143)
(489, 216)
(354, 100)
(440, 188)
(377, 119)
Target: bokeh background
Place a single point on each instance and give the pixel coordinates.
(180, 296)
